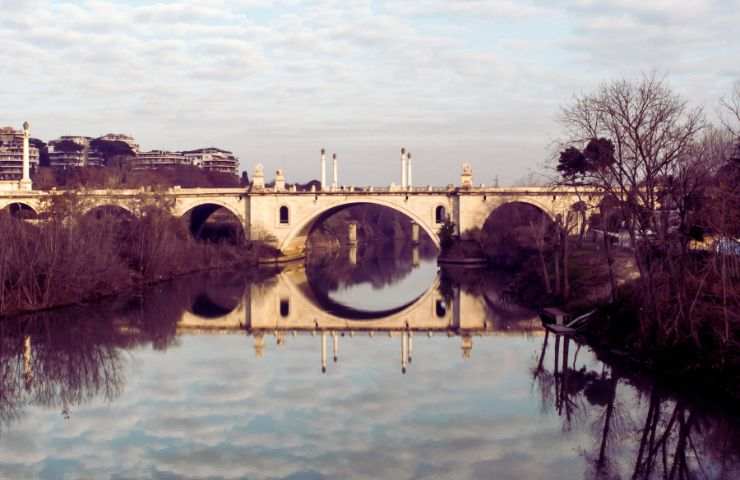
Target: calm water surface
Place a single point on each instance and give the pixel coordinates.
(218, 376)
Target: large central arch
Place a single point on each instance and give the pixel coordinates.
(296, 239)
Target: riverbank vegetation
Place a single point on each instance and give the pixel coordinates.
(70, 256)
(654, 237)
(672, 184)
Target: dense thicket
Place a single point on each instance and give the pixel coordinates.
(69, 256)
(673, 185)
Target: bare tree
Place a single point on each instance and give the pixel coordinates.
(638, 135)
(731, 111)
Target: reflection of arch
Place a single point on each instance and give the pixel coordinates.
(20, 210)
(205, 307)
(295, 241)
(284, 307)
(213, 301)
(307, 308)
(328, 305)
(198, 215)
(440, 308)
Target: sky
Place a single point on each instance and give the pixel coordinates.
(275, 81)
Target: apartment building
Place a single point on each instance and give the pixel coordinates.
(11, 154)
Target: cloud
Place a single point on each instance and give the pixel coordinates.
(477, 81)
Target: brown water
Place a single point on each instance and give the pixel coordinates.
(218, 376)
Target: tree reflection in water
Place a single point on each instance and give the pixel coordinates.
(63, 359)
(380, 264)
(639, 430)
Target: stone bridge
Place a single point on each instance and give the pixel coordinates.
(285, 216)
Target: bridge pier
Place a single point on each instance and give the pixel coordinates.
(414, 233)
(352, 234)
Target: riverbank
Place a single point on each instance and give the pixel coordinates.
(213, 258)
(72, 259)
(708, 367)
(622, 329)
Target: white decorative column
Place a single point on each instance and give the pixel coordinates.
(279, 180)
(25, 183)
(409, 182)
(404, 352)
(403, 168)
(27, 361)
(336, 346)
(335, 167)
(323, 169)
(411, 346)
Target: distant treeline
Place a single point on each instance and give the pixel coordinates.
(123, 176)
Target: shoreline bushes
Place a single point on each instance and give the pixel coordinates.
(68, 257)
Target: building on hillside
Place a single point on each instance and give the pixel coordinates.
(11, 154)
(214, 160)
(122, 137)
(160, 159)
(73, 151)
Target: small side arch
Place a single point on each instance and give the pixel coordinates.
(198, 215)
(20, 210)
(284, 215)
(440, 214)
(107, 208)
(525, 201)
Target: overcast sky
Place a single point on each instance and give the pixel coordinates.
(475, 81)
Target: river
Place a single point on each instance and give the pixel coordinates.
(377, 367)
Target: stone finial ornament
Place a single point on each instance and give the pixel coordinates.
(466, 178)
(279, 180)
(258, 179)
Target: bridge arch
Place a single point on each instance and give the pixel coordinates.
(546, 209)
(20, 210)
(198, 214)
(107, 207)
(295, 241)
(111, 209)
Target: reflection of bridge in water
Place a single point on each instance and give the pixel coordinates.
(287, 305)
